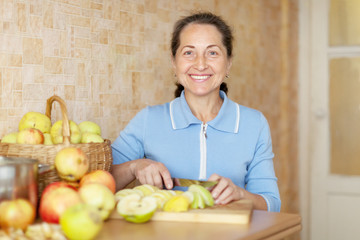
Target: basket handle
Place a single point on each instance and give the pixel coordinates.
(65, 119)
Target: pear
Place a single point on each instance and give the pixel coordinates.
(35, 120)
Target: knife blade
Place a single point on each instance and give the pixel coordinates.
(184, 182)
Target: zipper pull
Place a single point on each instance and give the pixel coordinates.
(204, 130)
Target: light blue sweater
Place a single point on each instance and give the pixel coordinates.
(236, 144)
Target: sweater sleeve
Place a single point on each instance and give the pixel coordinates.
(129, 144)
(260, 178)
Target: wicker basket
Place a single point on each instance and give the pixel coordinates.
(99, 154)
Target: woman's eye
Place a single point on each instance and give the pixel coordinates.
(187, 53)
(212, 53)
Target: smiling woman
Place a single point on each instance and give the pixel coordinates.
(200, 134)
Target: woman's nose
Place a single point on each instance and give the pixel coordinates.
(200, 63)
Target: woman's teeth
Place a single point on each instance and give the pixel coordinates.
(197, 77)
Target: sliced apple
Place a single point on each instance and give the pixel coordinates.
(189, 195)
(204, 193)
(198, 201)
(146, 189)
(127, 191)
(136, 209)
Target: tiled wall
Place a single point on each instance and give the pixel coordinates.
(109, 58)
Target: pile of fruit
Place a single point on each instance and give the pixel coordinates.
(75, 207)
(140, 203)
(36, 128)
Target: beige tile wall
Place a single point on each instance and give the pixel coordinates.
(109, 58)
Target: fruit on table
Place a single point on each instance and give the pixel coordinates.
(35, 120)
(147, 189)
(137, 209)
(98, 196)
(178, 203)
(204, 193)
(88, 137)
(9, 138)
(81, 221)
(71, 163)
(57, 134)
(55, 199)
(127, 191)
(99, 176)
(198, 201)
(18, 213)
(91, 127)
(30, 136)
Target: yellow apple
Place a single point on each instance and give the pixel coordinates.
(177, 203)
(9, 138)
(18, 213)
(88, 137)
(81, 221)
(88, 126)
(47, 139)
(35, 120)
(30, 136)
(57, 134)
(71, 163)
(99, 196)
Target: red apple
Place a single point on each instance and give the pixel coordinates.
(30, 136)
(18, 213)
(71, 163)
(55, 199)
(99, 176)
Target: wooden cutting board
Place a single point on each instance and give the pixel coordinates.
(237, 212)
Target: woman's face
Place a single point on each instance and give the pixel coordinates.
(201, 62)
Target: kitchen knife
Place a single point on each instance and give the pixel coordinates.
(184, 182)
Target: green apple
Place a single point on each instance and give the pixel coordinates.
(57, 134)
(35, 120)
(88, 137)
(81, 221)
(9, 138)
(47, 139)
(99, 196)
(88, 126)
(204, 193)
(136, 209)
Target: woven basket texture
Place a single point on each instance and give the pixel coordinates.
(99, 154)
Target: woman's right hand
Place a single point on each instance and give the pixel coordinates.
(147, 171)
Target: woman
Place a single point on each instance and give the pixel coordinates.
(201, 134)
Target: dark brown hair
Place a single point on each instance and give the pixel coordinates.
(202, 18)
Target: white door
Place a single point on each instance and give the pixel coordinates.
(332, 117)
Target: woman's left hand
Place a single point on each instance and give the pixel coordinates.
(225, 191)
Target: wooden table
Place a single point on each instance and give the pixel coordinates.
(263, 225)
